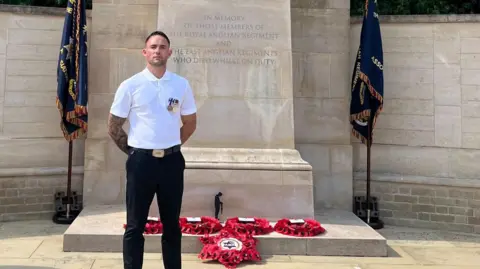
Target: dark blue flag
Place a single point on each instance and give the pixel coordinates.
(72, 94)
(367, 81)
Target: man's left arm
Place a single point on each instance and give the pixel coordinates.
(188, 114)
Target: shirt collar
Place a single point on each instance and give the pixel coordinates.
(151, 77)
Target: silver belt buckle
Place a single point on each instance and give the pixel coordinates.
(158, 153)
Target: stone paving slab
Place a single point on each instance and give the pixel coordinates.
(19, 248)
(38, 245)
(407, 236)
(151, 264)
(396, 255)
(383, 266)
(445, 256)
(45, 264)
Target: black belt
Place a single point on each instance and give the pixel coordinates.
(159, 153)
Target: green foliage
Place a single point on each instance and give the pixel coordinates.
(42, 3)
(417, 7)
(386, 7)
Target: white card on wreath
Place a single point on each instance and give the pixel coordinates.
(246, 219)
(153, 218)
(194, 219)
(296, 221)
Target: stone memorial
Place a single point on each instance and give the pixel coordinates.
(237, 55)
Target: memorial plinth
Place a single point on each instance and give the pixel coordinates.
(269, 183)
(100, 229)
(237, 57)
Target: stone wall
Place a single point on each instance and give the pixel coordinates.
(33, 152)
(321, 73)
(425, 157)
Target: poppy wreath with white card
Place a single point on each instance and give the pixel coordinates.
(253, 226)
(229, 247)
(299, 227)
(199, 225)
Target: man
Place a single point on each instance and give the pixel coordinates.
(154, 101)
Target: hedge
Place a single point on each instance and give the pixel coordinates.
(43, 3)
(386, 7)
(419, 7)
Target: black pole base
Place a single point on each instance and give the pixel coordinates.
(62, 218)
(360, 209)
(375, 223)
(64, 204)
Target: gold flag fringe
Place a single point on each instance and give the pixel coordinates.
(72, 117)
(372, 90)
(359, 136)
(360, 116)
(71, 136)
(81, 110)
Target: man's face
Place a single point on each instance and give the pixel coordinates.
(157, 51)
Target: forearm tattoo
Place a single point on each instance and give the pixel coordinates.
(116, 132)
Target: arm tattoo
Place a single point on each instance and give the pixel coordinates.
(117, 133)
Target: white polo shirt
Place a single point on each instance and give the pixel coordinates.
(144, 100)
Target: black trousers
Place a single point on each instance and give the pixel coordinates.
(147, 175)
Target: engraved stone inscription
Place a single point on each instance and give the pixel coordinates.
(223, 30)
(225, 56)
(237, 57)
(228, 27)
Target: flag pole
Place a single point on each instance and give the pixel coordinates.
(69, 178)
(367, 102)
(72, 99)
(369, 158)
(67, 206)
(373, 220)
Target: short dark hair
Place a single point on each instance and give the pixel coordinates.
(155, 33)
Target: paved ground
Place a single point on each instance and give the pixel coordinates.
(38, 245)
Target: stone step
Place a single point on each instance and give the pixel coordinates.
(100, 229)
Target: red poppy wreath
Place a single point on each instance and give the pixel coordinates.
(299, 227)
(153, 226)
(253, 226)
(200, 225)
(229, 247)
